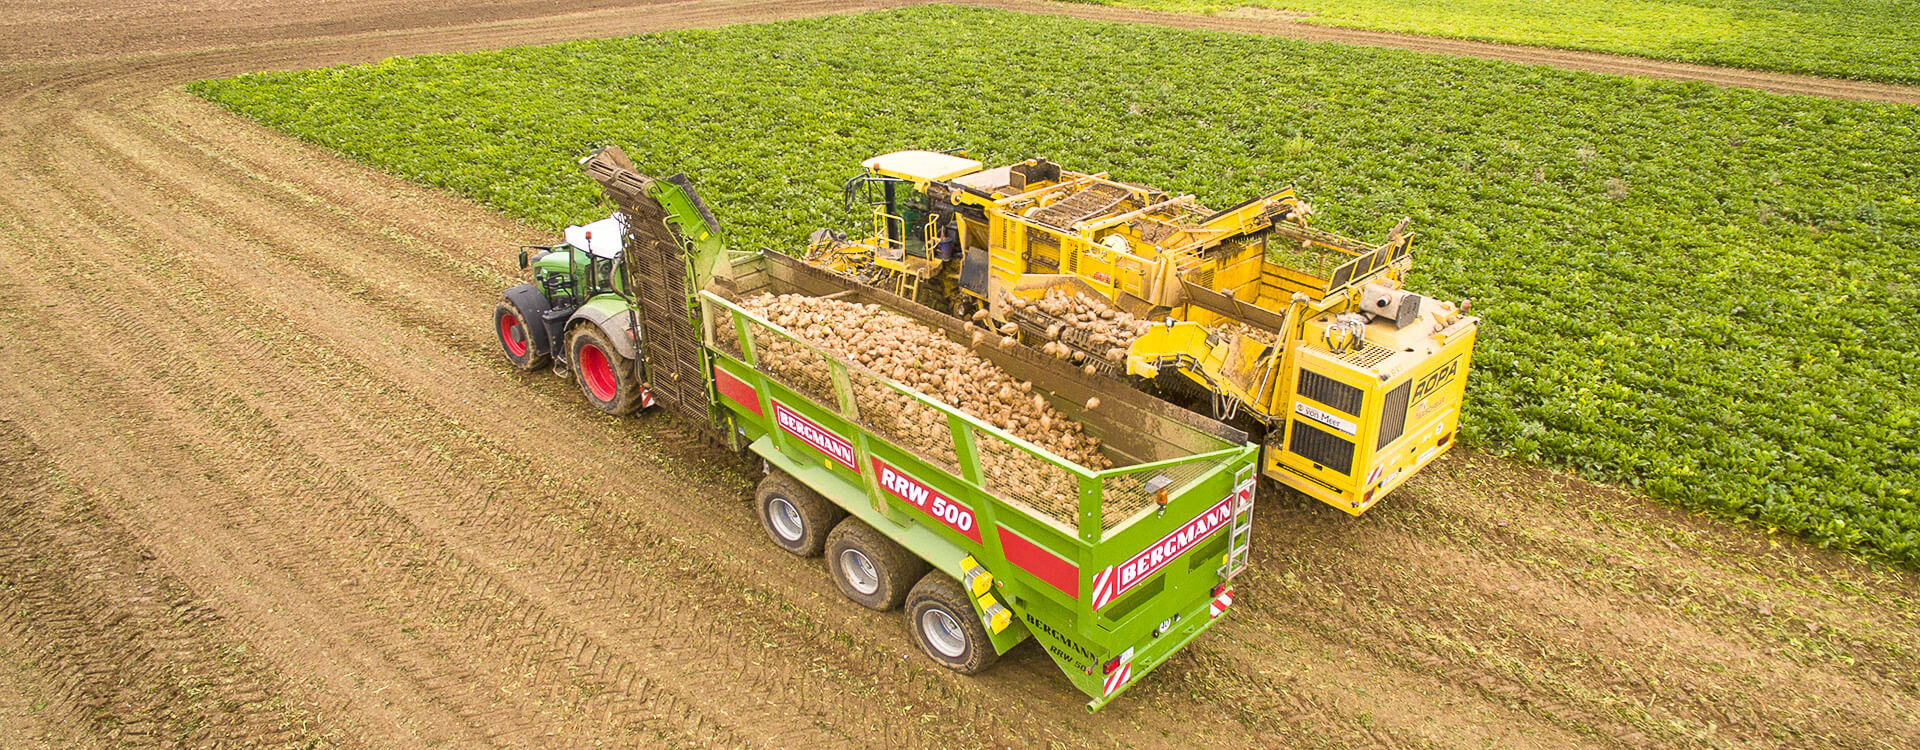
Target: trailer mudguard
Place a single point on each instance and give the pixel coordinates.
(614, 316)
(531, 303)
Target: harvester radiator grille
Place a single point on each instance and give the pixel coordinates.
(1393, 414)
(1331, 392)
(1321, 447)
(1367, 356)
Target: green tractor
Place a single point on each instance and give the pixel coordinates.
(614, 321)
(577, 315)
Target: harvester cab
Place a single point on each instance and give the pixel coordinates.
(914, 250)
(1246, 314)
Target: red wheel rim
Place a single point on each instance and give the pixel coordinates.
(513, 336)
(596, 368)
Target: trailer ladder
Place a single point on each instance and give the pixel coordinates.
(1240, 528)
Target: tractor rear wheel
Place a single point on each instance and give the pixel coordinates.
(516, 340)
(945, 626)
(796, 517)
(605, 377)
(869, 568)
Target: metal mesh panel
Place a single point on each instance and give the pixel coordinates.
(1393, 415)
(1321, 447)
(1015, 475)
(1331, 392)
(799, 366)
(1124, 495)
(724, 336)
(903, 420)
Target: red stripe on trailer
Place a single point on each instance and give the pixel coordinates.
(1119, 678)
(1102, 588)
(923, 498)
(1220, 604)
(736, 389)
(1044, 565)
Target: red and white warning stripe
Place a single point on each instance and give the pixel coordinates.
(646, 398)
(1372, 475)
(1220, 603)
(1118, 677)
(1102, 588)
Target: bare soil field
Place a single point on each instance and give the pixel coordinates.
(264, 482)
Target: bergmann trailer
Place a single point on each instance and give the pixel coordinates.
(973, 558)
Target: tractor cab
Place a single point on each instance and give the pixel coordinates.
(586, 265)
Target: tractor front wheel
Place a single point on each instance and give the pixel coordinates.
(516, 340)
(605, 377)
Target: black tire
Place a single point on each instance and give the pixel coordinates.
(604, 377)
(869, 568)
(516, 340)
(945, 626)
(795, 517)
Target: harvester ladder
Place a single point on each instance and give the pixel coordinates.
(907, 286)
(1240, 528)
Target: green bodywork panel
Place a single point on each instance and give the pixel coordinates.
(830, 449)
(608, 305)
(706, 246)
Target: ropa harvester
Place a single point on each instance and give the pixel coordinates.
(938, 528)
(1306, 339)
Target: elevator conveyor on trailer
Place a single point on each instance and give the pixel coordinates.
(977, 568)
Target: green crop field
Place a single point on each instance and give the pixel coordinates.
(1872, 40)
(1707, 294)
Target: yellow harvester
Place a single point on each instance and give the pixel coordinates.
(1246, 313)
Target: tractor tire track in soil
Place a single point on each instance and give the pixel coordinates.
(264, 481)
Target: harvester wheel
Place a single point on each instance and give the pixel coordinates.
(796, 518)
(605, 377)
(869, 568)
(943, 622)
(516, 340)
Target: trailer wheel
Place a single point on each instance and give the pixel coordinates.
(796, 518)
(605, 377)
(516, 341)
(869, 568)
(944, 624)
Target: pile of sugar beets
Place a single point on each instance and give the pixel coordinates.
(1106, 329)
(895, 347)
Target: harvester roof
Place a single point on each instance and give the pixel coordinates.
(921, 166)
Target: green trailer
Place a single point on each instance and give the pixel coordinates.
(973, 559)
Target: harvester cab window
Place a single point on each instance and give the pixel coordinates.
(911, 207)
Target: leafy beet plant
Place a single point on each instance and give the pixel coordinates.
(1706, 294)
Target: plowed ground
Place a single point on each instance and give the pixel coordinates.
(264, 481)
